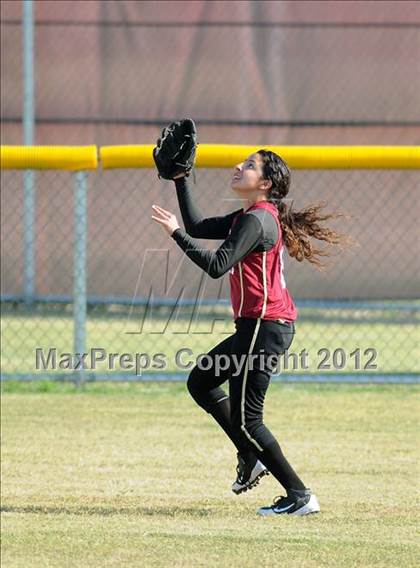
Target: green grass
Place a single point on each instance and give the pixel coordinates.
(137, 475)
(397, 344)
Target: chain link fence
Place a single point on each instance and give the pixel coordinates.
(257, 72)
(145, 300)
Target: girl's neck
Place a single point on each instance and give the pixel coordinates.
(250, 202)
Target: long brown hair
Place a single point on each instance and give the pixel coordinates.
(299, 227)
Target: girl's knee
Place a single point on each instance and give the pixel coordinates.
(253, 426)
(193, 383)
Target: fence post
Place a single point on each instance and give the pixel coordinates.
(28, 140)
(79, 267)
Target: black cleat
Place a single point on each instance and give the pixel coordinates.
(249, 474)
(297, 502)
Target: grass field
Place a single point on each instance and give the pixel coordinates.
(137, 475)
(397, 343)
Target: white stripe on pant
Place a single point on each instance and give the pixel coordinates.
(243, 421)
(251, 347)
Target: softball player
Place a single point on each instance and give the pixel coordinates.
(263, 311)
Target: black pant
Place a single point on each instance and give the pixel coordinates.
(248, 378)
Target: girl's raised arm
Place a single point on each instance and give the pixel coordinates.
(195, 224)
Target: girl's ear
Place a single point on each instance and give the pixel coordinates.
(267, 184)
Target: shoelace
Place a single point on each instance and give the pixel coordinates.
(277, 500)
(240, 469)
(281, 499)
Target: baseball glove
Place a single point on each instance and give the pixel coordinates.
(175, 150)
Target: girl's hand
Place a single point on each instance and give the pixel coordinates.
(166, 219)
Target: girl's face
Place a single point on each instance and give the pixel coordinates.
(247, 177)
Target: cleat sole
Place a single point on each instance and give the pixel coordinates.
(253, 484)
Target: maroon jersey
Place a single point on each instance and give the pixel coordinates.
(251, 253)
(257, 285)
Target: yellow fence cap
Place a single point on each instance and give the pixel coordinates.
(210, 156)
(49, 157)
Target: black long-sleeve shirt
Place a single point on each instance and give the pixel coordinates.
(255, 230)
